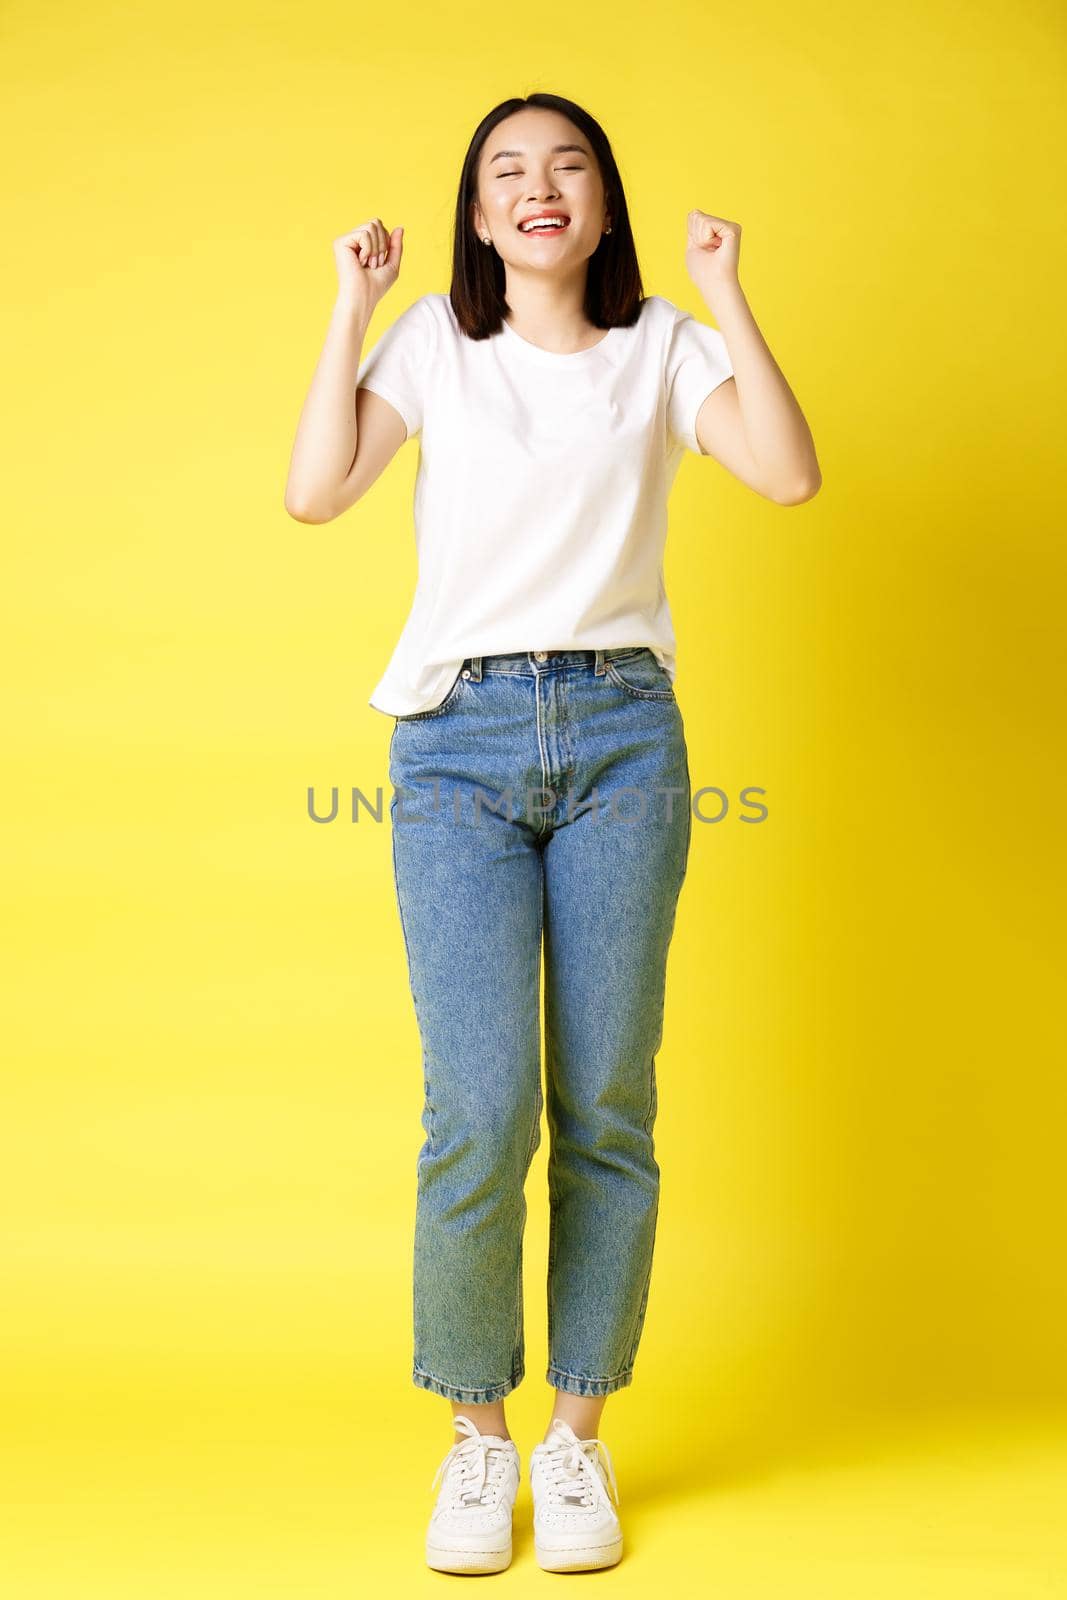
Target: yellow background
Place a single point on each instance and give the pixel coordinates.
(852, 1378)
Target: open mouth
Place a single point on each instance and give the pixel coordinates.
(545, 225)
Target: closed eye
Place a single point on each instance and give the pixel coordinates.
(517, 174)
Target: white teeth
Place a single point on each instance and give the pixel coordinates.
(540, 227)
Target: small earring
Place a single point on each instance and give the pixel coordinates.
(607, 229)
(487, 241)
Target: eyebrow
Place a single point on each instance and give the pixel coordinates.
(557, 149)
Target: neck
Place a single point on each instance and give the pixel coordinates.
(548, 311)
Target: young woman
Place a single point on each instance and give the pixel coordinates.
(538, 758)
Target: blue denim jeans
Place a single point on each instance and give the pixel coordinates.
(543, 804)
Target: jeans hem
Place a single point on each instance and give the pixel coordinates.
(574, 1383)
(471, 1395)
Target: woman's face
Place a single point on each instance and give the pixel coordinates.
(522, 170)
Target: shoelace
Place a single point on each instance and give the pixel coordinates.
(568, 1463)
(474, 1468)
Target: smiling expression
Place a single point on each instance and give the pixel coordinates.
(538, 162)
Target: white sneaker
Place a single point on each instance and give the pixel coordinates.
(470, 1527)
(575, 1523)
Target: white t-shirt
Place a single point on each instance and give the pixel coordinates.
(542, 484)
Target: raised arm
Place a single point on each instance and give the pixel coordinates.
(344, 440)
(752, 424)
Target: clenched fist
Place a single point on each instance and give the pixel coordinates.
(368, 263)
(713, 248)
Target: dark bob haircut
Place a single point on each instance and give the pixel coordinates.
(613, 293)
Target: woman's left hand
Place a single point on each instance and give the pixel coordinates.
(712, 251)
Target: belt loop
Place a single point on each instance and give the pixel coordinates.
(476, 669)
(598, 669)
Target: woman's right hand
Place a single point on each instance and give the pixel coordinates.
(368, 263)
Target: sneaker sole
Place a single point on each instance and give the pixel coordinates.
(442, 1559)
(579, 1560)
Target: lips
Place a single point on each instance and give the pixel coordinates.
(560, 227)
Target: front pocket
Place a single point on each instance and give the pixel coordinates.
(642, 676)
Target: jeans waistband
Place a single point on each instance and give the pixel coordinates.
(531, 663)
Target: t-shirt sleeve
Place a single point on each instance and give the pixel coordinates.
(396, 368)
(697, 362)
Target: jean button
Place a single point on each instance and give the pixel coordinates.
(466, 672)
(540, 655)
